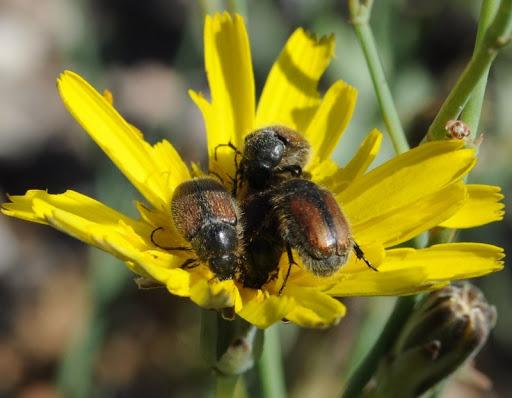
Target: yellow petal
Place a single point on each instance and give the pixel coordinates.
(482, 206)
(383, 283)
(228, 64)
(448, 261)
(290, 95)
(408, 271)
(153, 170)
(401, 224)
(159, 265)
(331, 119)
(98, 225)
(405, 179)
(178, 282)
(263, 310)
(213, 293)
(338, 179)
(37, 206)
(323, 172)
(313, 308)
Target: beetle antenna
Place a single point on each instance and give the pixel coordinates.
(229, 145)
(238, 153)
(190, 263)
(152, 237)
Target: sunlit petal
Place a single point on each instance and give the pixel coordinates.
(153, 170)
(290, 95)
(483, 205)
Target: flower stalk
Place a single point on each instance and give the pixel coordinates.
(270, 366)
(471, 113)
(497, 36)
(229, 348)
(360, 11)
(365, 370)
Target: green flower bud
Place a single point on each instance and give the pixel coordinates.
(230, 347)
(446, 328)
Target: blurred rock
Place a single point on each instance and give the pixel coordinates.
(8, 246)
(33, 38)
(152, 93)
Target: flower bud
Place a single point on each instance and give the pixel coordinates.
(446, 328)
(229, 347)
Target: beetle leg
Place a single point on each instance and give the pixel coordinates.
(290, 262)
(213, 173)
(360, 256)
(294, 169)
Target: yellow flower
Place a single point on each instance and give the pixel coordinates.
(386, 206)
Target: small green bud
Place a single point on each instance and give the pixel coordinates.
(447, 327)
(230, 347)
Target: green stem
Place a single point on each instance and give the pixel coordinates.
(225, 386)
(471, 113)
(237, 6)
(360, 11)
(484, 55)
(76, 368)
(270, 366)
(365, 370)
(360, 16)
(230, 348)
(209, 7)
(497, 36)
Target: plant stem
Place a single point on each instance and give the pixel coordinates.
(497, 36)
(471, 113)
(360, 11)
(270, 366)
(364, 371)
(237, 6)
(225, 386)
(229, 348)
(360, 15)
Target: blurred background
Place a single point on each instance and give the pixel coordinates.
(72, 321)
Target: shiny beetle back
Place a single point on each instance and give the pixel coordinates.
(207, 216)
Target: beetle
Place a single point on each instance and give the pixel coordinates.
(311, 222)
(208, 217)
(286, 211)
(268, 153)
(272, 151)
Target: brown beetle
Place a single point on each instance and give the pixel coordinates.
(311, 222)
(269, 153)
(208, 217)
(284, 212)
(272, 151)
